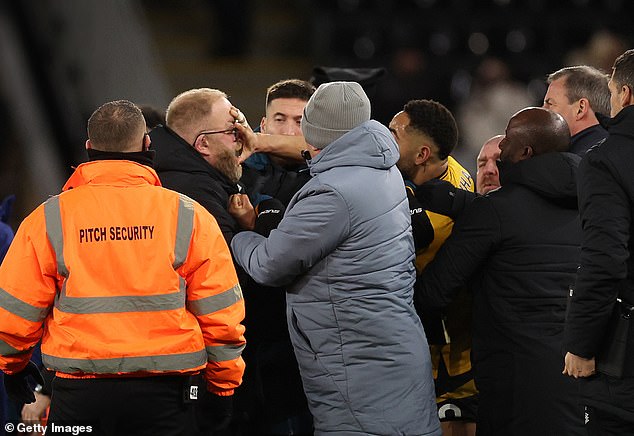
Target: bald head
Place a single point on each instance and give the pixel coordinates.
(534, 131)
(487, 175)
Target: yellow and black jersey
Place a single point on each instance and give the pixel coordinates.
(460, 178)
(453, 376)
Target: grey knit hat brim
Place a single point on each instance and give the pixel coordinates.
(320, 137)
(332, 111)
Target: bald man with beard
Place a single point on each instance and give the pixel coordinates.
(517, 248)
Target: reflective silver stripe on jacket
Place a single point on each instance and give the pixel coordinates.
(220, 353)
(215, 303)
(53, 217)
(19, 308)
(8, 350)
(184, 229)
(163, 363)
(133, 303)
(121, 304)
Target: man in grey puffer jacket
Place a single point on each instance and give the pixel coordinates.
(344, 251)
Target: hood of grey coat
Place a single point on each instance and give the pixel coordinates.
(371, 145)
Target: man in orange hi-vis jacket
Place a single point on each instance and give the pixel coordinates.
(130, 287)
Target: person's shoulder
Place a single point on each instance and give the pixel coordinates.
(184, 197)
(616, 141)
(197, 185)
(617, 150)
(319, 185)
(499, 197)
(185, 202)
(457, 175)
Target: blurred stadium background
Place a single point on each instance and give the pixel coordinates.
(484, 59)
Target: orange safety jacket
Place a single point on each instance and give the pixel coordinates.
(121, 277)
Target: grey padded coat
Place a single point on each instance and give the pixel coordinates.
(344, 251)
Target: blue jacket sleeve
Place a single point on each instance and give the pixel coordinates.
(6, 236)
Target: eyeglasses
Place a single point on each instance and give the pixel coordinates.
(233, 131)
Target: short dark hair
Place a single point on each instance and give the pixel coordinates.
(117, 126)
(623, 70)
(436, 121)
(584, 81)
(289, 88)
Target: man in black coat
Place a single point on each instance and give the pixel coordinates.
(578, 93)
(517, 249)
(197, 153)
(606, 204)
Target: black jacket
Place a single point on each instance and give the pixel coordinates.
(517, 248)
(263, 177)
(181, 168)
(582, 141)
(606, 204)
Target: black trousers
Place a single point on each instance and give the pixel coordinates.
(121, 406)
(609, 405)
(602, 423)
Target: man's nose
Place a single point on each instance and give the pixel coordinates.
(491, 167)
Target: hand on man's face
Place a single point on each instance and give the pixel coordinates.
(247, 138)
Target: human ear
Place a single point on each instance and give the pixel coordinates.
(201, 145)
(146, 142)
(626, 96)
(582, 109)
(263, 125)
(424, 153)
(528, 152)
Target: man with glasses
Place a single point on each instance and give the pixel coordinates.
(198, 152)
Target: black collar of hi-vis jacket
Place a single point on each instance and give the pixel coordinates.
(143, 157)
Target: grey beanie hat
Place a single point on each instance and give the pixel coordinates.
(332, 111)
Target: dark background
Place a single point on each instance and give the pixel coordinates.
(483, 59)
